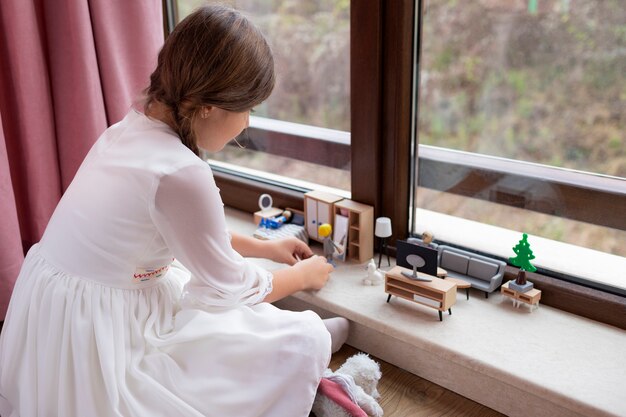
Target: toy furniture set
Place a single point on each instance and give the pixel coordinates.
(383, 231)
(268, 213)
(318, 210)
(483, 273)
(354, 238)
(324, 208)
(530, 297)
(460, 284)
(520, 290)
(437, 293)
(353, 224)
(286, 230)
(459, 269)
(274, 223)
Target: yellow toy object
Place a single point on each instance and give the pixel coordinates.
(324, 230)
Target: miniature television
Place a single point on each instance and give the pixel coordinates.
(416, 257)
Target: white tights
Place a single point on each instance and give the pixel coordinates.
(338, 328)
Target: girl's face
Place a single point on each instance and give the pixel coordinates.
(219, 127)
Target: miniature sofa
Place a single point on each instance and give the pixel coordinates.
(483, 273)
(418, 241)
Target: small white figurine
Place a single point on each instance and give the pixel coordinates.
(374, 275)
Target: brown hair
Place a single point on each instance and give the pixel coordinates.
(214, 57)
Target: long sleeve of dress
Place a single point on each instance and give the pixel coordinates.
(189, 213)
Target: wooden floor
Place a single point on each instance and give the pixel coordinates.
(404, 394)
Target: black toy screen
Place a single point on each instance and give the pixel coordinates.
(429, 256)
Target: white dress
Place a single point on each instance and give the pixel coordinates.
(103, 322)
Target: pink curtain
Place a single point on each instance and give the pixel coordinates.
(68, 69)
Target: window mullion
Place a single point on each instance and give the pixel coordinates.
(365, 101)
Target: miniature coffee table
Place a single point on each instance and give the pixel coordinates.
(460, 284)
(531, 297)
(441, 273)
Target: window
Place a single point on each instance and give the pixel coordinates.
(300, 135)
(521, 122)
(385, 41)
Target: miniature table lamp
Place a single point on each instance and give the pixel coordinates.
(382, 231)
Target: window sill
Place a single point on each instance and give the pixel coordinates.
(598, 268)
(544, 363)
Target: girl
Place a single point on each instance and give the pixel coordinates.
(104, 322)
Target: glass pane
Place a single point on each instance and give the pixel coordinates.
(540, 81)
(310, 41)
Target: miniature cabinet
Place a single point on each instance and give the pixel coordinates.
(531, 297)
(360, 229)
(439, 294)
(318, 209)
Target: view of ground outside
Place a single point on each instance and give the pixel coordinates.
(542, 81)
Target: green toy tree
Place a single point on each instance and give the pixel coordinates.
(522, 260)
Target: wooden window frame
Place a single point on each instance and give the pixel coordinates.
(383, 111)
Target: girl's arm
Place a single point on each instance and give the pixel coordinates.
(189, 215)
(310, 274)
(287, 251)
(248, 246)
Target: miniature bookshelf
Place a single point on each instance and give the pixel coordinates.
(360, 245)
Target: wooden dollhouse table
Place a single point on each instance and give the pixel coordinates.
(531, 297)
(460, 284)
(441, 273)
(438, 293)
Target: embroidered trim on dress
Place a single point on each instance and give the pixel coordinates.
(147, 274)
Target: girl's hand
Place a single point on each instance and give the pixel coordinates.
(313, 272)
(287, 251)
(309, 274)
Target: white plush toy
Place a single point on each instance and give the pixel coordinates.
(351, 390)
(374, 276)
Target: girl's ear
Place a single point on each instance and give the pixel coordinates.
(205, 111)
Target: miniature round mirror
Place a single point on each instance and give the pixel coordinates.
(265, 201)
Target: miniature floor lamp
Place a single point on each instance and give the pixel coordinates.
(382, 231)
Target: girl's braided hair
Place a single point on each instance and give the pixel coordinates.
(214, 57)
